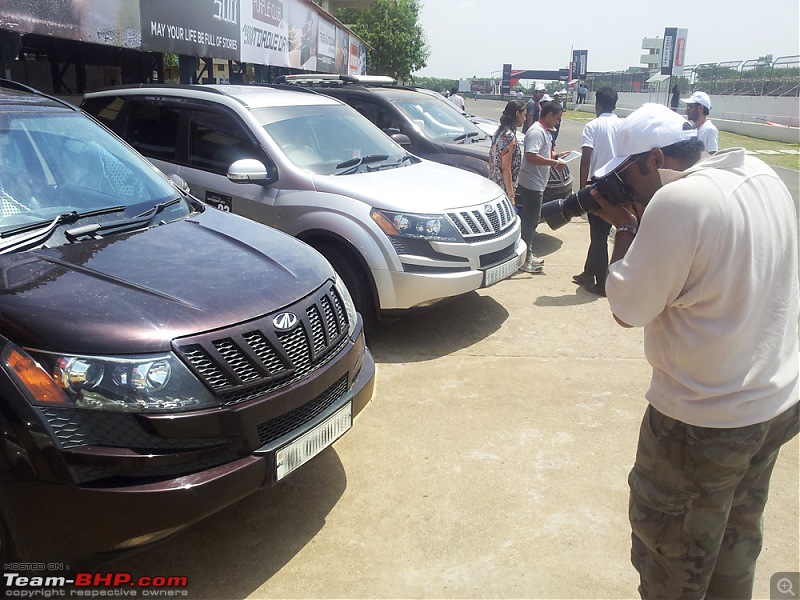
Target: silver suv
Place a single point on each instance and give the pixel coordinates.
(401, 231)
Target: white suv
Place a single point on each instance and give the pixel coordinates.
(401, 231)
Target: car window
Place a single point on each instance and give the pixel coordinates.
(376, 113)
(60, 162)
(152, 129)
(217, 140)
(438, 121)
(318, 138)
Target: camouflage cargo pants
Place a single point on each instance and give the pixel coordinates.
(696, 504)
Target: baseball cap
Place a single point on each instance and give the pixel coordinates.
(650, 126)
(698, 98)
(546, 98)
(539, 88)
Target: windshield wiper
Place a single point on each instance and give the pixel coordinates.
(351, 165)
(143, 220)
(464, 136)
(42, 230)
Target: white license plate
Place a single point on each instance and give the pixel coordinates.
(500, 272)
(307, 446)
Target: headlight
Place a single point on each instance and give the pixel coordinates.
(349, 306)
(429, 227)
(150, 383)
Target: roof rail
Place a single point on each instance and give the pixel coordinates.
(334, 79)
(21, 87)
(286, 86)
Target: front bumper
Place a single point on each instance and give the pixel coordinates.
(424, 281)
(58, 520)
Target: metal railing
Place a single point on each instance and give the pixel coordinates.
(754, 77)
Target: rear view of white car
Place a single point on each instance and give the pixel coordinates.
(401, 231)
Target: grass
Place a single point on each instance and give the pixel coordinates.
(733, 140)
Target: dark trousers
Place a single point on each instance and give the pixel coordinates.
(597, 258)
(530, 211)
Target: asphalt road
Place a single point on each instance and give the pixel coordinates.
(491, 462)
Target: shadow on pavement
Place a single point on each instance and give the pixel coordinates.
(232, 553)
(437, 331)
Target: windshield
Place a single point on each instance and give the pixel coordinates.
(57, 163)
(325, 139)
(438, 119)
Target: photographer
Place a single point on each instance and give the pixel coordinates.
(705, 259)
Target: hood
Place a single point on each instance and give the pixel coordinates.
(424, 187)
(477, 149)
(133, 293)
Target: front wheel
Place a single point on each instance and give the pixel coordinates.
(355, 278)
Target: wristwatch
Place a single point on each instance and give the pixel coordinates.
(632, 229)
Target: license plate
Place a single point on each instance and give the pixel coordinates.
(500, 272)
(295, 454)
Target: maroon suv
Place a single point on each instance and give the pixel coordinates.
(158, 361)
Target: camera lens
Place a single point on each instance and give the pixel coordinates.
(558, 213)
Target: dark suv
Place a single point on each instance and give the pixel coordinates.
(430, 128)
(158, 360)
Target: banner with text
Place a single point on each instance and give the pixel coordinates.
(205, 28)
(673, 51)
(579, 58)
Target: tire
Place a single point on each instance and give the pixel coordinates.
(355, 278)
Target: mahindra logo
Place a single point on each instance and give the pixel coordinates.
(285, 321)
(488, 209)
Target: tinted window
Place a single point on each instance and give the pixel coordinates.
(217, 140)
(152, 129)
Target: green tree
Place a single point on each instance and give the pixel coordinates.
(392, 29)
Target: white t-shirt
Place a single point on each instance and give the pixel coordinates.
(457, 100)
(712, 276)
(600, 135)
(537, 141)
(709, 135)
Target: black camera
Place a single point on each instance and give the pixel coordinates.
(558, 213)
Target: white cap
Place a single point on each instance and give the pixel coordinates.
(650, 126)
(698, 98)
(546, 98)
(539, 88)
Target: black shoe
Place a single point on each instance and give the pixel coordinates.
(598, 289)
(584, 280)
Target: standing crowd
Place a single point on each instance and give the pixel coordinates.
(705, 260)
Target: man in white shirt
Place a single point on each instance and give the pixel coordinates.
(698, 105)
(597, 148)
(705, 259)
(456, 99)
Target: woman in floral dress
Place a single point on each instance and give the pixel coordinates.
(505, 157)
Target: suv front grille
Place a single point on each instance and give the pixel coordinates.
(486, 221)
(256, 358)
(294, 419)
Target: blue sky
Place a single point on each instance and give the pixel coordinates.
(475, 37)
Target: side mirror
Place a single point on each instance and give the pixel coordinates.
(249, 170)
(180, 183)
(402, 139)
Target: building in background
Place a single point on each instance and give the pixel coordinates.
(652, 59)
